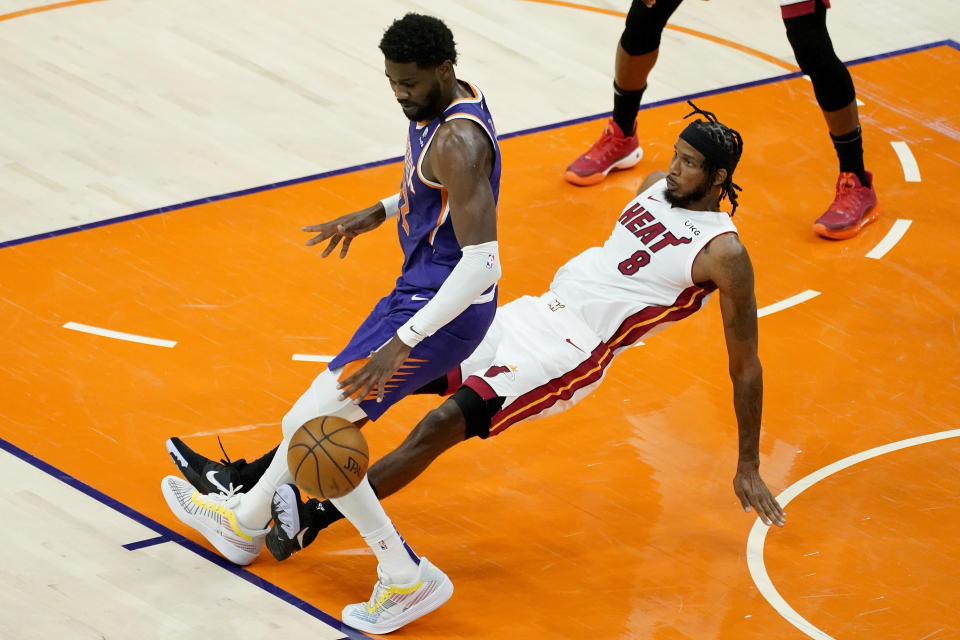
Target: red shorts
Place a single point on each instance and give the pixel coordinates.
(794, 8)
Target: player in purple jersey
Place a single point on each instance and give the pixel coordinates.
(437, 314)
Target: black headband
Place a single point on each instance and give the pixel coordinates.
(714, 153)
(696, 136)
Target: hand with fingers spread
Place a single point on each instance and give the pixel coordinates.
(345, 228)
(374, 375)
(753, 492)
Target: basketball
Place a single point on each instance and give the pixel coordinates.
(328, 457)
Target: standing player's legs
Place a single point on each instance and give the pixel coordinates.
(637, 50)
(855, 203)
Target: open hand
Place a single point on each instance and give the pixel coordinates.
(345, 229)
(383, 363)
(753, 492)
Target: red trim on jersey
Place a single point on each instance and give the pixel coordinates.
(545, 396)
(641, 323)
(454, 380)
(483, 389)
(804, 8)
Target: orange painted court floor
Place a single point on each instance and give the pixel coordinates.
(616, 519)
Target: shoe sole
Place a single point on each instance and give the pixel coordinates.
(223, 547)
(845, 234)
(277, 542)
(625, 162)
(178, 458)
(428, 604)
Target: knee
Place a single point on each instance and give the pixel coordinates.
(644, 26)
(816, 58)
(444, 425)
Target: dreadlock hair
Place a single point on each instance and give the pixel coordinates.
(425, 40)
(727, 146)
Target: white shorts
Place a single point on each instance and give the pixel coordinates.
(539, 356)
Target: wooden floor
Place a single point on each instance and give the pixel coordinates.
(616, 519)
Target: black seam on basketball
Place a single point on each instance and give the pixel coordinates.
(337, 465)
(346, 448)
(316, 462)
(310, 433)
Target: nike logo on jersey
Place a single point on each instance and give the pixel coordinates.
(654, 199)
(418, 298)
(575, 346)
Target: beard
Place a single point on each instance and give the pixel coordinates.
(430, 109)
(682, 200)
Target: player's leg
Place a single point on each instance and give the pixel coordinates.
(539, 339)
(855, 203)
(637, 50)
(303, 520)
(236, 523)
(458, 418)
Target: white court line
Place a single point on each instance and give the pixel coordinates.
(911, 172)
(119, 335)
(892, 238)
(307, 357)
(789, 302)
(758, 533)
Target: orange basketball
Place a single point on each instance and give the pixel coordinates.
(328, 457)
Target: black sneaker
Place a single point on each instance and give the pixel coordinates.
(206, 475)
(293, 522)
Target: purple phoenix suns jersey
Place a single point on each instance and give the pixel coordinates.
(430, 248)
(430, 252)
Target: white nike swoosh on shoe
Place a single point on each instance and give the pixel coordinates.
(212, 479)
(418, 298)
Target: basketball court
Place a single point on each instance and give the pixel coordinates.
(159, 162)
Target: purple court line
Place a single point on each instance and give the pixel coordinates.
(143, 544)
(506, 136)
(172, 536)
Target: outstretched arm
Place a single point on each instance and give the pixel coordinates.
(346, 228)
(728, 266)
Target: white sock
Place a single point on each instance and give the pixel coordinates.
(398, 562)
(320, 399)
(253, 512)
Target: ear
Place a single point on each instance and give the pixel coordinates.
(719, 177)
(444, 70)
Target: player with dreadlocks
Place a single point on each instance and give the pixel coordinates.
(670, 248)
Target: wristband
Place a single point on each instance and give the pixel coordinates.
(391, 205)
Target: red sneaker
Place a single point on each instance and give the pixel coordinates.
(854, 208)
(612, 151)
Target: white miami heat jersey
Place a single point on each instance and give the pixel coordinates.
(640, 280)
